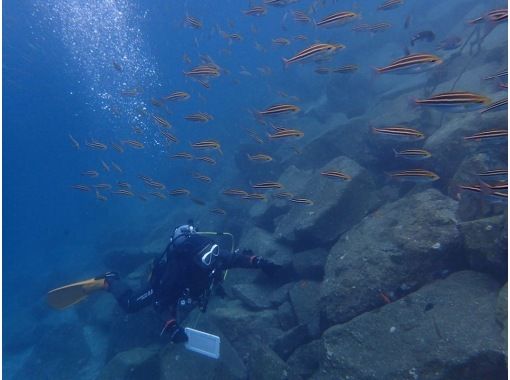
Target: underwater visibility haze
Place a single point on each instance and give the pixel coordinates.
(356, 151)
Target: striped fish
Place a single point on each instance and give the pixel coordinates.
(345, 69)
(456, 101)
(399, 133)
(411, 64)
(279, 109)
(301, 16)
(179, 192)
(286, 133)
(123, 192)
(161, 121)
(116, 167)
(177, 96)
(197, 117)
(312, 52)
(169, 136)
(235, 192)
(255, 196)
(390, 4)
(283, 195)
(157, 194)
(304, 201)
(193, 22)
(207, 144)
(90, 173)
(337, 19)
(133, 143)
(260, 157)
(81, 187)
(203, 70)
(201, 177)
(218, 211)
(415, 175)
(184, 155)
(105, 186)
(494, 172)
(118, 148)
(490, 194)
(281, 41)
(255, 11)
(96, 145)
(336, 174)
(498, 105)
(500, 74)
(206, 159)
(413, 154)
(494, 16)
(493, 134)
(267, 185)
(379, 27)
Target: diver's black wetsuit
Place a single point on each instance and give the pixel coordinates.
(183, 272)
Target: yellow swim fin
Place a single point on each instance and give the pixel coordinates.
(71, 294)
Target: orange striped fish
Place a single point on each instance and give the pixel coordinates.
(123, 192)
(498, 105)
(267, 185)
(456, 101)
(201, 177)
(411, 64)
(301, 16)
(304, 201)
(345, 69)
(286, 133)
(413, 154)
(312, 52)
(169, 136)
(218, 211)
(184, 155)
(415, 175)
(161, 121)
(90, 173)
(207, 144)
(133, 143)
(179, 192)
(105, 186)
(390, 4)
(494, 16)
(255, 11)
(207, 160)
(96, 145)
(255, 196)
(235, 192)
(177, 96)
(118, 148)
(81, 187)
(337, 19)
(399, 133)
(260, 157)
(336, 174)
(193, 22)
(279, 109)
(493, 134)
(157, 194)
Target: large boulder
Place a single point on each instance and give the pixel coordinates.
(238, 323)
(502, 312)
(486, 245)
(305, 360)
(61, 353)
(135, 364)
(176, 362)
(338, 204)
(310, 264)
(402, 246)
(444, 331)
(264, 363)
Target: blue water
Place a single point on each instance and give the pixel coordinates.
(59, 79)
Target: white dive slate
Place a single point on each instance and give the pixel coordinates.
(203, 343)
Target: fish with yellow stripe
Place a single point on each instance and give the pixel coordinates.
(411, 64)
(455, 101)
(337, 19)
(399, 133)
(313, 52)
(414, 175)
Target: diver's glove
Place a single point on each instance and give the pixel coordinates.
(268, 267)
(176, 333)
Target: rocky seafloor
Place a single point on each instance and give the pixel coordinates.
(381, 280)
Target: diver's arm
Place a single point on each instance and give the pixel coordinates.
(245, 259)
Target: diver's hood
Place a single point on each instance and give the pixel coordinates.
(184, 231)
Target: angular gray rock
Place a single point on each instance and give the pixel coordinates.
(444, 331)
(304, 298)
(286, 343)
(502, 312)
(310, 264)
(338, 204)
(52, 354)
(136, 364)
(280, 295)
(486, 245)
(253, 296)
(264, 363)
(286, 316)
(305, 360)
(401, 246)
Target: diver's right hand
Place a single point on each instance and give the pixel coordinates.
(176, 333)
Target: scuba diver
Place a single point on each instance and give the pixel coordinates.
(182, 277)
